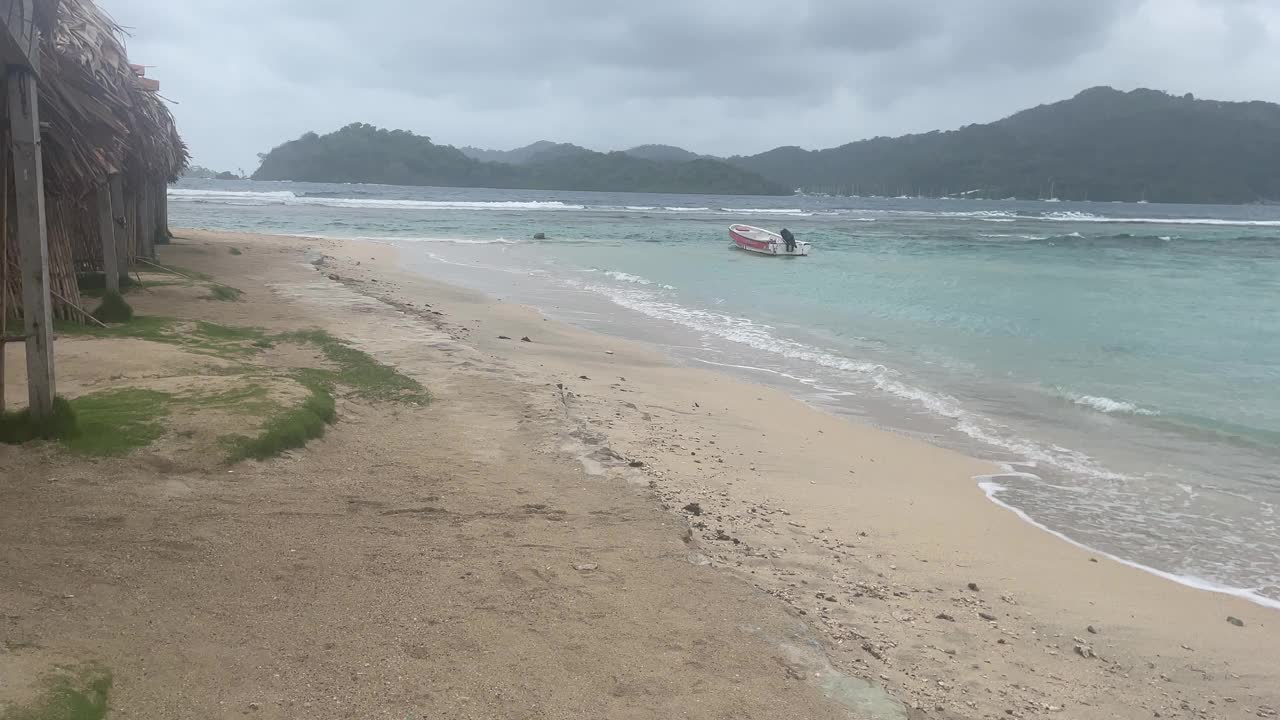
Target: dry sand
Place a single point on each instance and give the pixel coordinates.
(425, 560)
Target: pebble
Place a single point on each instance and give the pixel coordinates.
(973, 587)
(1093, 630)
(986, 616)
(585, 567)
(944, 616)
(1235, 621)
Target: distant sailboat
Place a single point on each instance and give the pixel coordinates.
(1053, 196)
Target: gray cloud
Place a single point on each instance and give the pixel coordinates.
(719, 76)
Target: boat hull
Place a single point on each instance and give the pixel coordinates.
(764, 242)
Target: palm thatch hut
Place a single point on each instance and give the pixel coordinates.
(107, 149)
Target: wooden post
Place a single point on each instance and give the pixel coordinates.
(33, 243)
(159, 211)
(107, 236)
(117, 215)
(146, 234)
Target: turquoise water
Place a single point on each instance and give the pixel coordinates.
(1121, 360)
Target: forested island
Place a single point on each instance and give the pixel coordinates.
(361, 153)
(1102, 144)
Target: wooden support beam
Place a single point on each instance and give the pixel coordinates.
(145, 224)
(162, 211)
(33, 243)
(19, 39)
(118, 217)
(107, 236)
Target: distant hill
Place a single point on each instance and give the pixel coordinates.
(664, 153)
(1103, 144)
(361, 153)
(541, 150)
(203, 173)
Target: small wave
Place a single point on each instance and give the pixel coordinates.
(413, 239)
(1107, 405)
(455, 241)
(284, 197)
(766, 211)
(1090, 217)
(636, 279)
(628, 277)
(991, 486)
(761, 337)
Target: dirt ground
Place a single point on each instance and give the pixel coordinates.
(455, 560)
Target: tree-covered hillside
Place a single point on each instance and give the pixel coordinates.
(1103, 144)
(366, 154)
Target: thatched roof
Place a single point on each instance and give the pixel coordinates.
(102, 117)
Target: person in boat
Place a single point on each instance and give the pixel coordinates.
(789, 239)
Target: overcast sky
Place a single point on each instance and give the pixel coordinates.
(714, 76)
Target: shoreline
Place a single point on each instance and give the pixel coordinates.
(1001, 468)
(935, 538)
(573, 523)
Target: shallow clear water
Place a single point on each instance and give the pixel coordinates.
(1123, 360)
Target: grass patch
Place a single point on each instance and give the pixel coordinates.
(113, 309)
(141, 327)
(201, 337)
(235, 251)
(287, 430)
(72, 694)
(369, 378)
(19, 427)
(114, 422)
(224, 293)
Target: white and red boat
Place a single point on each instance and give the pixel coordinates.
(764, 242)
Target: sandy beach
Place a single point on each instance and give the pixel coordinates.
(573, 527)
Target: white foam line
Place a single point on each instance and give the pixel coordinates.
(992, 489)
(779, 373)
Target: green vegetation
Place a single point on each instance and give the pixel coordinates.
(203, 173)
(114, 422)
(664, 153)
(364, 153)
(225, 293)
(200, 337)
(18, 427)
(368, 378)
(1103, 144)
(70, 694)
(287, 430)
(113, 308)
(118, 421)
